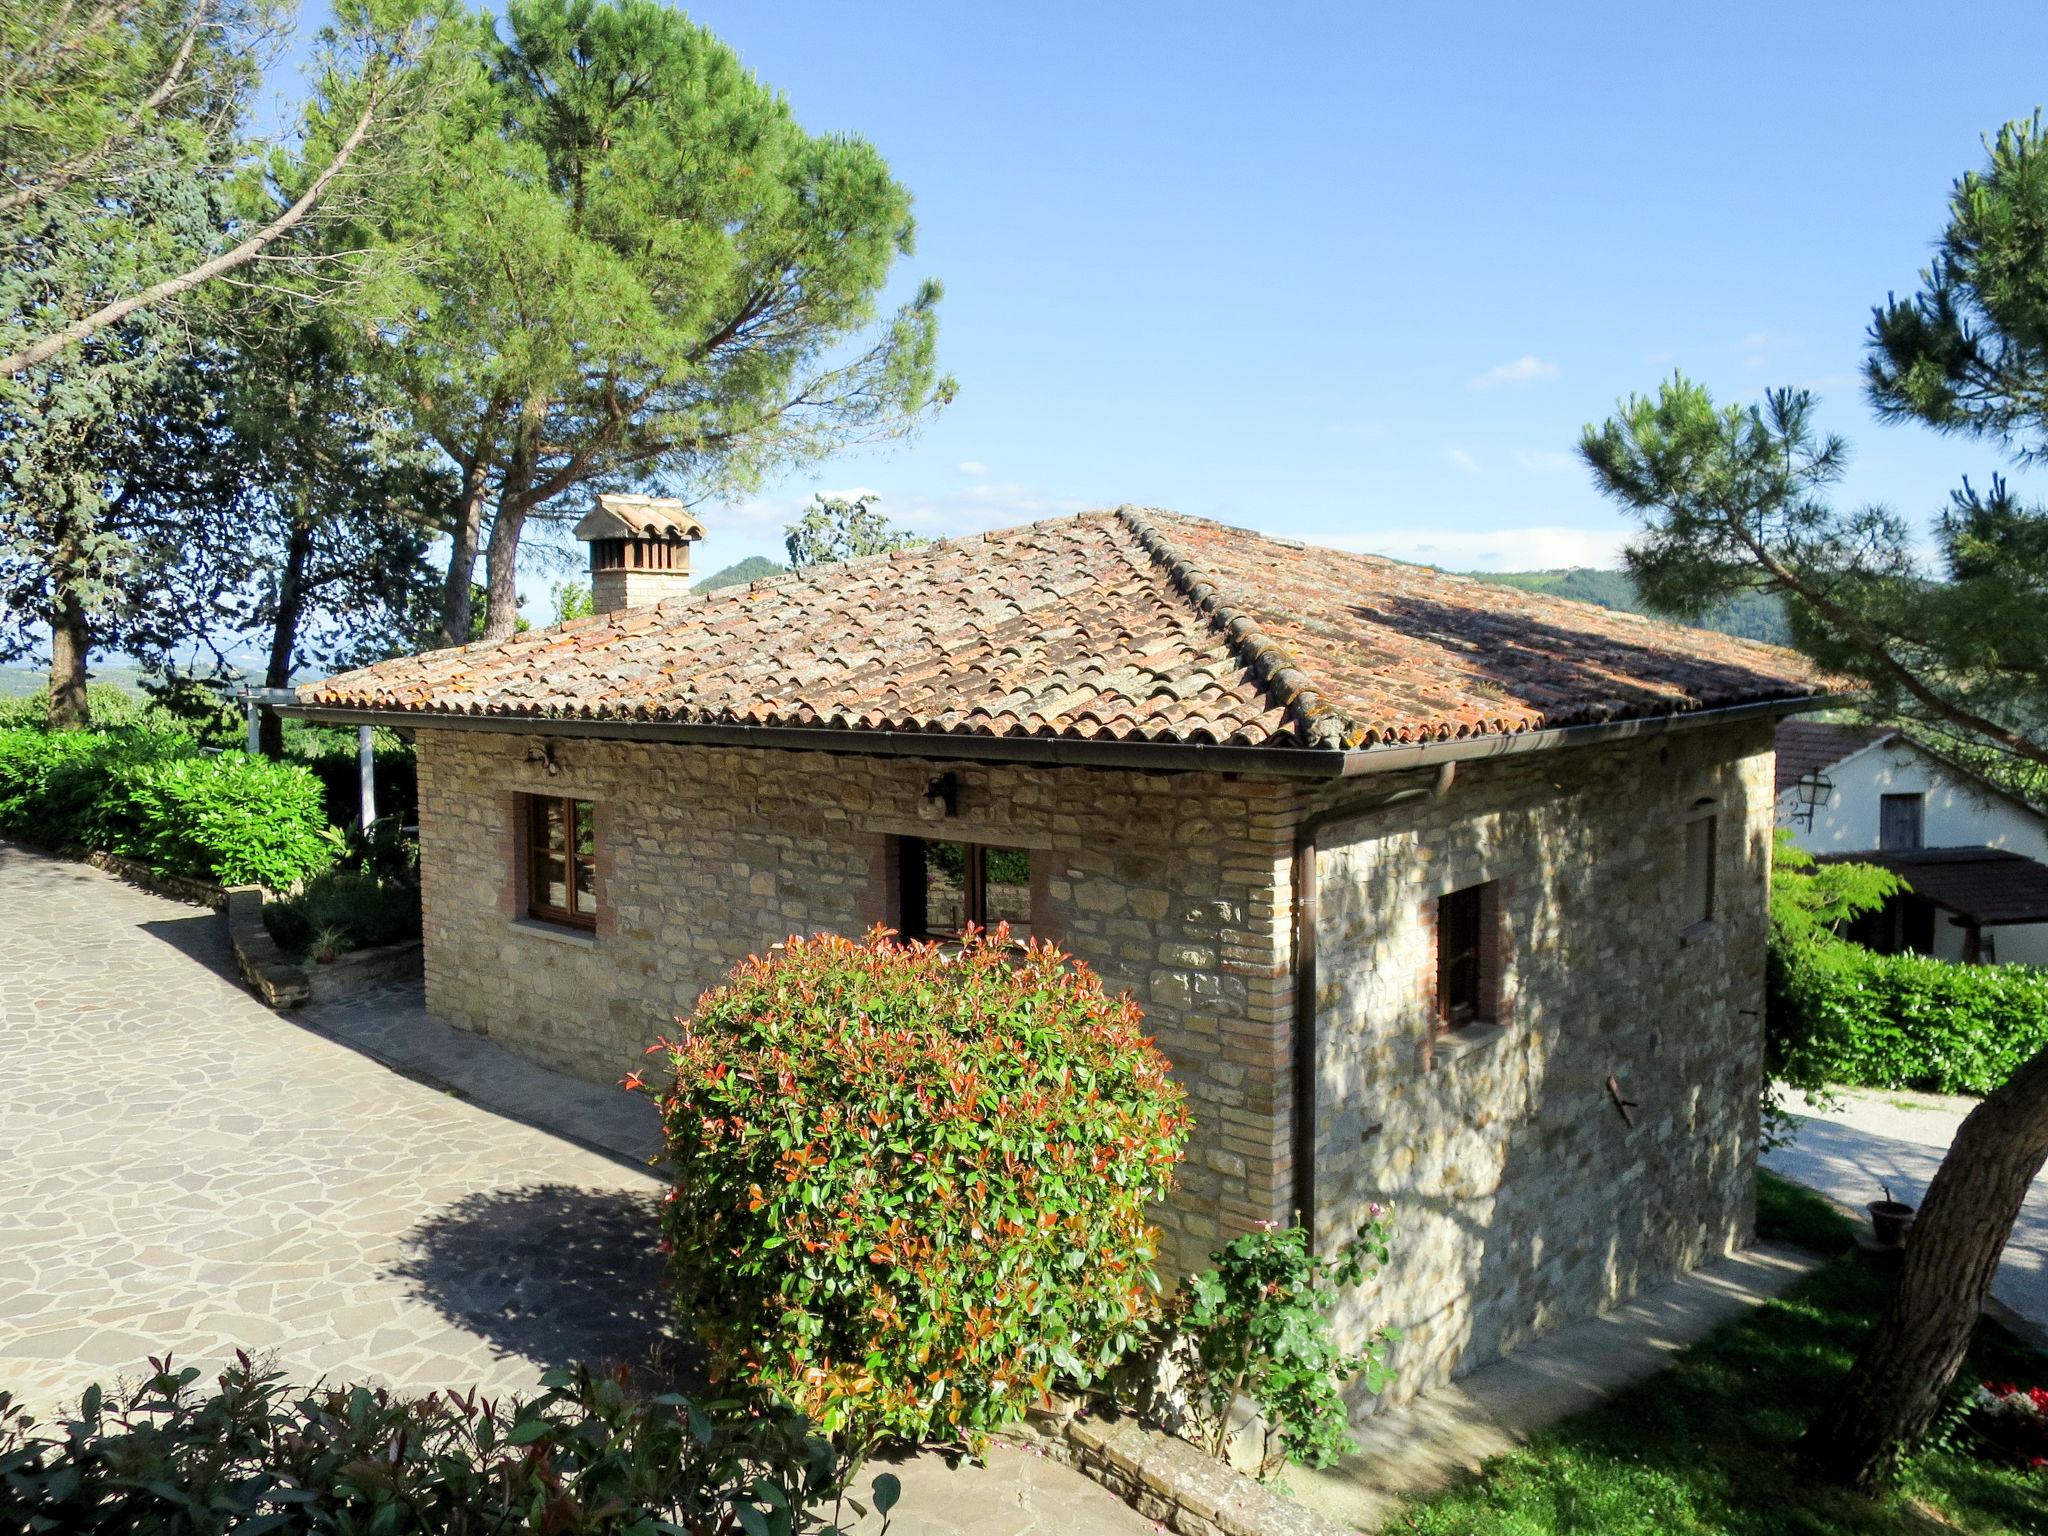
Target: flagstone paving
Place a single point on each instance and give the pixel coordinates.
(186, 1170)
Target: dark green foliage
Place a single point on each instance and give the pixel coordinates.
(229, 817)
(1708, 1447)
(912, 1186)
(1907, 1021)
(331, 754)
(1810, 901)
(152, 796)
(1257, 1326)
(361, 910)
(1751, 615)
(753, 568)
(259, 1456)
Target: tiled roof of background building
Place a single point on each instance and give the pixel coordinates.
(1814, 746)
(1127, 625)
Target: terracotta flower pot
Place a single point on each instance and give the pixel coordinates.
(1891, 1220)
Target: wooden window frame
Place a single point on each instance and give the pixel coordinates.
(533, 828)
(913, 920)
(1480, 903)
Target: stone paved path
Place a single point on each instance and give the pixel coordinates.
(187, 1170)
(183, 1169)
(1871, 1138)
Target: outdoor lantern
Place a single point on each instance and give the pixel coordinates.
(1809, 794)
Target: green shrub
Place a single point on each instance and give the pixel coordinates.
(365, 909)
(111, 707)
(1842, 1014)
(62, 787)
(1257, 1326)
(911, 1186)
(257, 1455)
(237, 819)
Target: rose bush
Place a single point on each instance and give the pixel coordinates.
(911, 1184)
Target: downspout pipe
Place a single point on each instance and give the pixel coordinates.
(1307, 905)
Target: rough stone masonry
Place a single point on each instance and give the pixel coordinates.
(1526, 1198)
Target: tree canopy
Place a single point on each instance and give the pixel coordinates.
(639, 269)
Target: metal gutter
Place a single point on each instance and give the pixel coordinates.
(1281, 762)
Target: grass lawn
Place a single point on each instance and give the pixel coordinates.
(1707, 1445)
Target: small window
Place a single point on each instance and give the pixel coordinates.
(1901, 823)
(1464, 956)
(561, 868)
(1698, 894)
(947, 886)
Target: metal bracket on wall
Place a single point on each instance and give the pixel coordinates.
(1627, 1106)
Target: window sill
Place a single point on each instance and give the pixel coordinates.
(561, 933)
(1695, 933)
(1456, 1044)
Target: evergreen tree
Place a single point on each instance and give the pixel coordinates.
(1732, 500)
(637, 268)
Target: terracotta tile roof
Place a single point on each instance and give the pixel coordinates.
(1125, 625)
(1814, 746)
(1987, 886)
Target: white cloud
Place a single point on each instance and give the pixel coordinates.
(1546, 461)
(1463, 460)
(973, 467)
(1541, 548)
(1526, 369)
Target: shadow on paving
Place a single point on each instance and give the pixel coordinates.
(201, 937)
(547, 1271)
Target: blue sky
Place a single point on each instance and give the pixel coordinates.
(1357, 273)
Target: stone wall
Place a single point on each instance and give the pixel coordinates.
(1162, 882)
(1525, 1197)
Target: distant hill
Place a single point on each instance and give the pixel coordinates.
(1753, 616)
(753, 568)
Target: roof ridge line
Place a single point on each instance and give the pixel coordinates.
(1268, 661)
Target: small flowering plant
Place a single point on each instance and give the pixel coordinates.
(2013, 1420)
(1257, 1326)
(911, 1184)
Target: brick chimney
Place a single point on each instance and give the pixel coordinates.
(639, 550)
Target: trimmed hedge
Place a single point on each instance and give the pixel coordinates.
(1842, 1014)
(153, 796)
(587, 1456)
(911, 1185)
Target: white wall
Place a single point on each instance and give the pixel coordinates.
(1958, 814)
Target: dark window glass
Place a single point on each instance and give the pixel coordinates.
(561, 876)
(948, 885)
(1901, 823)
(1460, 962)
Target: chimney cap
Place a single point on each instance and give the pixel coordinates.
(619, 516)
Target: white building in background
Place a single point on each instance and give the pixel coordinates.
(1977, 858)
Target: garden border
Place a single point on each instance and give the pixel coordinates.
(202, 893)
(1164, 1478)
(285, 986)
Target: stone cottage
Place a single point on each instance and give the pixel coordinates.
(1434, 891)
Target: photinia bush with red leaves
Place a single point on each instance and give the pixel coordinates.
(911, 1183)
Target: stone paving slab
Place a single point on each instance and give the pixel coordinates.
(187, 1170)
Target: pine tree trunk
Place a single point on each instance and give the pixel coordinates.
(70, 643)
(284, 632)
(1895, 1388)
(468, 535)
(501, 617)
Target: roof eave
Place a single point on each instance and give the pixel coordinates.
(1061, 751)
